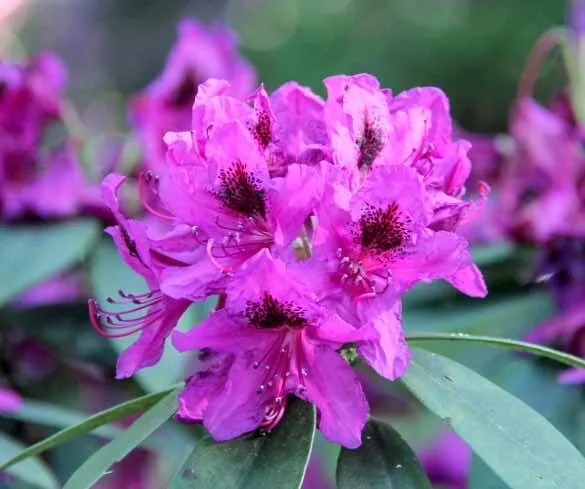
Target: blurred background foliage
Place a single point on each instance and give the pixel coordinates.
(473, 49)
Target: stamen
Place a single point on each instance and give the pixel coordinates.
(218, 265)
(366, 283)
(117, 324)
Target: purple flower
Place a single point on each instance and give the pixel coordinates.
(153, 313)
(447, 460)
(370, 127)
(371, 247)
(542, 176)
(35, 179)
(310, 220)
(10, 401)
(165, 105)
(272, 339)
(223, 205)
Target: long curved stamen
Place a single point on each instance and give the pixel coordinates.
(219, 266)
(117, 324)
(241, 240)
(145, 181)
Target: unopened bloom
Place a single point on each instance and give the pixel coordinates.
(153, 314)
(199, 53)
(275, 340)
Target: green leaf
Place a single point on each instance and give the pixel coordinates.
(519, 444)
(527, 379)
(543, 351)
(108, 274)
(32, 471)
(31, 254)
(100, 462)
(47, 414)
(90, 424)
(384, 460)
(278, 459)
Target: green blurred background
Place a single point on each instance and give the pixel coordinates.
(473, 49)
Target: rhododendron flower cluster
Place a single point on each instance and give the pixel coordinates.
(309, 219)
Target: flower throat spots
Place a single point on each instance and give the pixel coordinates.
(381, 230)
(370, 144)
(241, 192)
(269, 313)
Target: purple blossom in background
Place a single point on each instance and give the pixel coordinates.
(10, 401)
(576, 17)
(539, 177)
(310, 219)
(199, 53)
(135, 471)
(64, 288)
(33, 180)
(447, 460)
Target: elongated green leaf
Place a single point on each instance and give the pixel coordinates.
(31, 254)
(520, 445)
(108, 274)
(91, 423)
(100, 462)
(278, 459)
(32, 471)
(543, 351)
(384, 460)
(46, 414)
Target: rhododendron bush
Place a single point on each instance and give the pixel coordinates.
(327, 286)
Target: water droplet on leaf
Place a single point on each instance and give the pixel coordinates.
(189, 474)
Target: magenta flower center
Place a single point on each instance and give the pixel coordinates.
(241, 192)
